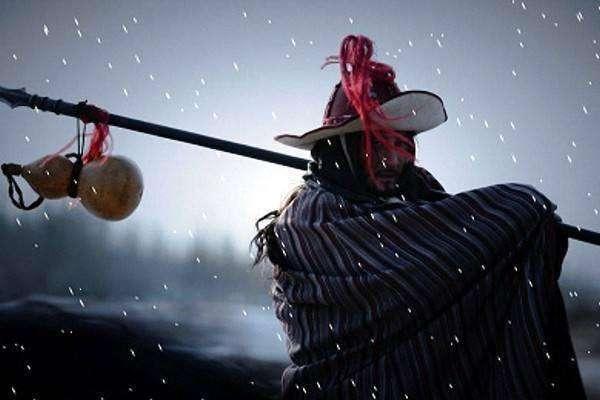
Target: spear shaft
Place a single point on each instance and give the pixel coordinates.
(20, 98)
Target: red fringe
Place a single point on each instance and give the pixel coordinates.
(98, 146)
(358, 73)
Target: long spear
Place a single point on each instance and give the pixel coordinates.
(20, 98)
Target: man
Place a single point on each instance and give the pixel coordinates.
(388, 287)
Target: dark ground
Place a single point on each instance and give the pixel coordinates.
(53, 348)
(49, 352)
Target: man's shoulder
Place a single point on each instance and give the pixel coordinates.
(523, 193)
(525, 188)
(313, 199)
(314, 191)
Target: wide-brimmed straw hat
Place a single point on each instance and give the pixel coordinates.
(412, 111)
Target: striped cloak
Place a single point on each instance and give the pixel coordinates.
(455, 298)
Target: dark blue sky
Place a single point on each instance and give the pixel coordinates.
(520, 82)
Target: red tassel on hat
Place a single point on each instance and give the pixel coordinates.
(358, 73)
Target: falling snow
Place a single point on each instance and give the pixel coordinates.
(204, 100)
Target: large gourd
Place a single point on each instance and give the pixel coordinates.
(111, 187)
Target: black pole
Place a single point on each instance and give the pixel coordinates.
(19, 97)
(580, 234)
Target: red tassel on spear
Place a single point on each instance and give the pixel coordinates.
(98, 145)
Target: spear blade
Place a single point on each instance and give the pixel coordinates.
(14, 97)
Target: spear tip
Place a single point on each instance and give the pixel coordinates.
(14, 97)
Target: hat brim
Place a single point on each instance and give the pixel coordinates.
(415, 111)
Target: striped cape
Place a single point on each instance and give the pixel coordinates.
(455, 298)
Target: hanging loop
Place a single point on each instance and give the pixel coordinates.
(10, 171)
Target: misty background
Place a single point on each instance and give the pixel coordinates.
(520, 82)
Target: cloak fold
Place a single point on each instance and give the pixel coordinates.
(437, 296)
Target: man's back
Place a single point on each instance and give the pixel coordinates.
(454, 298)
